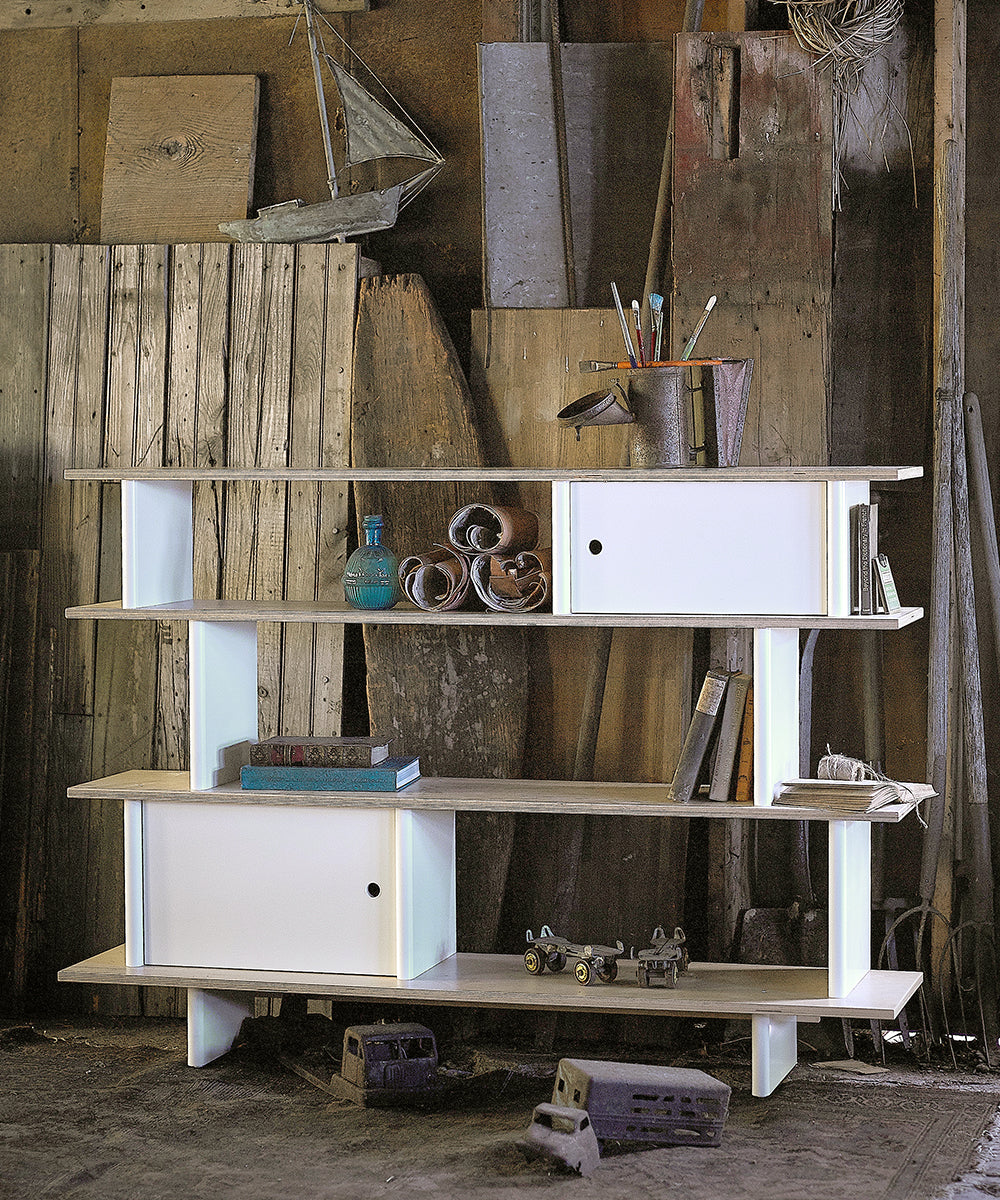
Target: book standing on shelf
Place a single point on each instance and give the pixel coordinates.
(872, 587)
(744, 770)
(320, 751)
(730, 738)
(888, 596)
(388, 776)
(685, 781)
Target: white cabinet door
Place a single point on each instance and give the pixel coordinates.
(693, 547)
(271, 888)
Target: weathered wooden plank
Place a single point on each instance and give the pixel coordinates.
(64, 688)
(70, 531)
(180, 157)
(24, 276)
(754, 227)
(53, 14)
(525, 368)
(21, 872)
(316, 549)
(261, 317)
(455, 696)
(38, 91)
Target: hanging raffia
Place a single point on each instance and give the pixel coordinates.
(844, 35)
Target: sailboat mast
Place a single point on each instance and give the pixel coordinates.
(320, 98)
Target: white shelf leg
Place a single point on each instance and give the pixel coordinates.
(213, 1021)
(775, 710)
(850, 902)
(223, 681)
(135, 955)
(157, 542)
(775, 1051)
(561, 598)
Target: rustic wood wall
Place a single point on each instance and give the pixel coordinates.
(132, 388)
(187, 355)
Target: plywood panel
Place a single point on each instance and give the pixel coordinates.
(752, 224)
(180, 157)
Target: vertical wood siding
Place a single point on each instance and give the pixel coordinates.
(150, 355)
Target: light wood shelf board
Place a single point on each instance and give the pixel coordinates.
(330, 612)
(473, 795)
(502, 474)
(500, 981)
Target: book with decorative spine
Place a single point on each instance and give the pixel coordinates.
(730, 738)
(320, 751)
(685, 781)
(744, 772)
(388, 776)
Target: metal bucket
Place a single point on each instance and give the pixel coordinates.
(662, 401)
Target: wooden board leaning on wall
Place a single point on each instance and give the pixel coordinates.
(56, 14)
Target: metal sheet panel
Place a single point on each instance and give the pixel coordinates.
(617, 104)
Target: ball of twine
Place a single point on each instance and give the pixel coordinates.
(846, 33)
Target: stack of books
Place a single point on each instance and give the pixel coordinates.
(873, 589)
(849, 795)
(330, 764)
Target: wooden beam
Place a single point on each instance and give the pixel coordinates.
(56, 14)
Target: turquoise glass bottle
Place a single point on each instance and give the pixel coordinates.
(371, 579)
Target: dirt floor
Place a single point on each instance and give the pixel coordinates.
(111, 1110)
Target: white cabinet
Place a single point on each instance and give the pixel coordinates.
(293, 888)
(232, 893)
(684, 548)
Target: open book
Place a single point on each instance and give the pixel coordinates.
(849, 795)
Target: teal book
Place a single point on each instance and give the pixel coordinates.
(388, 776)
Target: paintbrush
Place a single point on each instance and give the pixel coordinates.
(625, 333)
(637, 318)
(593, 364)
(656, 319)
(698, 328)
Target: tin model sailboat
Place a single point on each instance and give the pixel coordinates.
(371, 134)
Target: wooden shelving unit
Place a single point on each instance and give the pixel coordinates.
(198, 849)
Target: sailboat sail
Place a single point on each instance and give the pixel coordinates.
(372, 131)
(372, 134)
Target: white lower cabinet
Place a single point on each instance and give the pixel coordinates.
(292, 888)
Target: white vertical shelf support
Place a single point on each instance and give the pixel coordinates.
(775, 710)
(425, 890)
(775, 1051)
(213, 1021)
(135, 942)
(157, 542)
(849, 905)
(561, 598)
(223, 686)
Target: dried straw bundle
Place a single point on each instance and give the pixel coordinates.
(844, 34)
